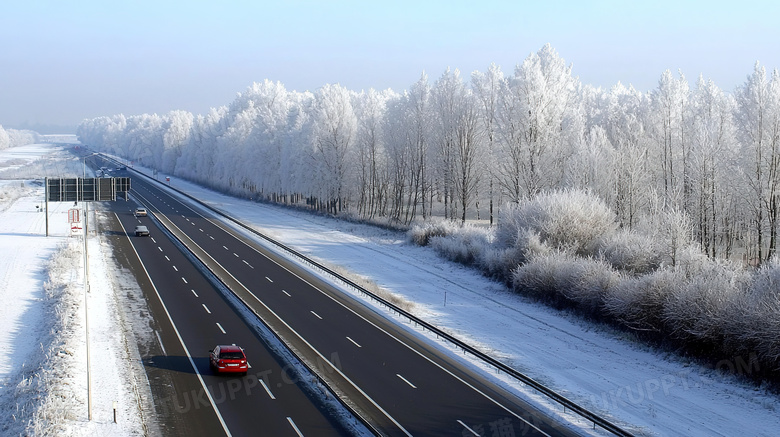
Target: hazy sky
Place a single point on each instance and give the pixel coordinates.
(63, 61)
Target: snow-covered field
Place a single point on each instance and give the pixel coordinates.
(43, 389)
(43, 373)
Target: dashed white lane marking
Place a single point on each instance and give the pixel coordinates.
(354, 342)
(297, 431)
(285, 292)
(166, 258)
(206, 308)
(405, 380)
(193, 292)
(225, 247)
(469, 429)
(174, 268)
(267, 390)
(160, 248)
(185, 280)
(250, 265)
(269, 279)
(221, 328)
(316, 315)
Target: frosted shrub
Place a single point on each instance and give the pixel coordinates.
(499, 262)
(754, 317)
(422, 233)
(696, 310)
(540, 278)
(590, 281)
(639, 302)
(563, 279)
(464, 245)
(572, 221)
(631, 252)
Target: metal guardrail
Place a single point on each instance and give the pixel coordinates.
(565, 402)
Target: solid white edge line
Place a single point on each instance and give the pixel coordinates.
(297, 431)
(181, 341)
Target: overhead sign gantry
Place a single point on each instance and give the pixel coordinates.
(85, 189)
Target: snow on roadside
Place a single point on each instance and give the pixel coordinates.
(645, 391)
(43, 380)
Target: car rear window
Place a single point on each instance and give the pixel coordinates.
(231, 356)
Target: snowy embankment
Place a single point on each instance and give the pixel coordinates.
(643, 390)
(43, 376)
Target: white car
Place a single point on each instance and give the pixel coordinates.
(140, 212)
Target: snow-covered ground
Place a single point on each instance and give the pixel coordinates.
(42, 320)
(43, 373)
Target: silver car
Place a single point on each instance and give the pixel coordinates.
(141, 231)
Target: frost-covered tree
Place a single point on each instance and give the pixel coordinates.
(667, 117)
(372, 175)
(758, 127)
(177, 126)
(334, 127)
(486, 87)
(536, 124)
(5, 140)
(712, 166)
(624, 125)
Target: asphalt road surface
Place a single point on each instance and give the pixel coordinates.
(399, 381)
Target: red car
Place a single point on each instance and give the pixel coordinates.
(228, 359)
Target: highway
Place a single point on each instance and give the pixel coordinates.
(397, 380)
(192, 317)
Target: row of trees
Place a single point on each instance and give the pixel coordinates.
(14, 137)
(449, 147)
